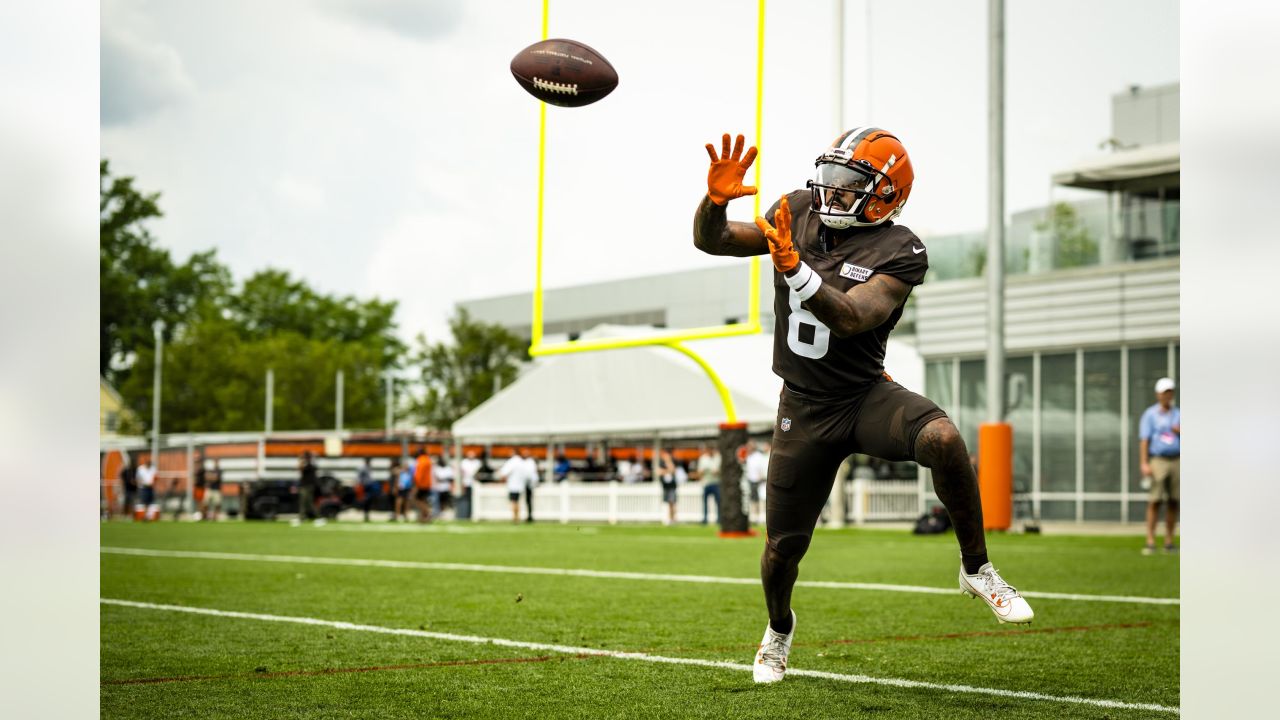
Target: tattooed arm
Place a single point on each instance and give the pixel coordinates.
(864, 307)
(715, 234)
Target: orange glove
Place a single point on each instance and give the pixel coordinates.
(785, 257)
(724, 179)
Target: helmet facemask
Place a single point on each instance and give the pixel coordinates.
(841, 191)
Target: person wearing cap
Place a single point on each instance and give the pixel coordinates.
(1160, 434)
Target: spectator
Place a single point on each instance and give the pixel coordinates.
(198, 491)
(146, 507)
(371, 490)
(634, 472)
(212, 503)
(307, 484)
(708, 472)
(129, 479)
(441, 486)
(404, 490)
(515, 471)
(531, 479)
(470, 468)
(562, 468)
(422, 486)
(175, 497)
(667, 476)
(756, 471)
(1159, 450)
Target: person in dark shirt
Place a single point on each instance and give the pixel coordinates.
(213, 492)
(843, 273)
(307, 484)
(370, 489)
(129, 478)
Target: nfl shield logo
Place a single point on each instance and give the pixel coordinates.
(786, 424)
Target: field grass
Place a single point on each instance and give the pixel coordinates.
(162, 662)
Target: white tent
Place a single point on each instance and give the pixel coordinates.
(646, 392)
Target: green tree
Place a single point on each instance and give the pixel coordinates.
(271, 302)
(214, 380)
(1073, 244)
(139, 282)
(458, 376)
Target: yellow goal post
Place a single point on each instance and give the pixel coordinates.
(674, 338)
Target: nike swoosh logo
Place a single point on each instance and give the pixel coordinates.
(916, 250)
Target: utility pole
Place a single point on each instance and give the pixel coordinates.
(995, 436)
(390, 401)
(995, 213)
(271, 392)
(337, 411)
(158, 328)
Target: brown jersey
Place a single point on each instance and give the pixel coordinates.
(805, 352)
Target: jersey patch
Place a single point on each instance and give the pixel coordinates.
(855, 272)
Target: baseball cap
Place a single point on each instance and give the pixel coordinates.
(1163, 384)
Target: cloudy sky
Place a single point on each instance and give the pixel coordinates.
(381, 147)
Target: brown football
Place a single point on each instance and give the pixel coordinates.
(564, 72)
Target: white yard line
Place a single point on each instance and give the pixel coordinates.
(643, 657)
(610, 574)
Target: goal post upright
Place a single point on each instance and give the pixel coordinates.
(732, 432)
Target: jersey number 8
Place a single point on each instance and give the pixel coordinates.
(803, 323)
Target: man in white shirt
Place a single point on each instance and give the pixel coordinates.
(469, 468)
(146, 509)
(441, 485)
(519, 480)
(756, 471)
(708, 471)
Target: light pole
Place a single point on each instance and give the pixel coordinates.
(337, 403)
(271, 391)
(158, 328)
(995, 436)
(390, 401)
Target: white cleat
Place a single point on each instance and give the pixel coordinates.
(771, 658)
(1001, 597)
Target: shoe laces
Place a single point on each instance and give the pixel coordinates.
(774, 652)
(996, 588)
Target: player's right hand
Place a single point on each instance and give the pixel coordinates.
(783, 252)
(724, 179)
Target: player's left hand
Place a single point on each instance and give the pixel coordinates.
(785, 257)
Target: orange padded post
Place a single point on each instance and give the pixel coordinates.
(995, 474)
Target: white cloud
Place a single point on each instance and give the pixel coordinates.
(139, 77)
(416, 19)
(300, 192)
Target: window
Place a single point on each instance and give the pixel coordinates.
(1058, 423)
(1102, 422)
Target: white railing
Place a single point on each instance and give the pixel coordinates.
(882, 500)
(610, 502)
(613, 502)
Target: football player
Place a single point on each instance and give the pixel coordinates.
(843, 272)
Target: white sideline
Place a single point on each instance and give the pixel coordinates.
(612, 574)
(643, 657)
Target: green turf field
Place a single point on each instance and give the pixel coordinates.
(383, 641)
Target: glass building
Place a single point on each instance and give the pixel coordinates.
(1091, 320)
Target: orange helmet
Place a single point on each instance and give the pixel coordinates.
(864, 178)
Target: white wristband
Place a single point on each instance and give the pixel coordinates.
(805, 282)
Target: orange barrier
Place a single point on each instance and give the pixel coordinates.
(995, 474)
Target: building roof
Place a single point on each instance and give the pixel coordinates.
(646, 392)
(1135, 169)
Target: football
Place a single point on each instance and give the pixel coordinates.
(564, 72)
